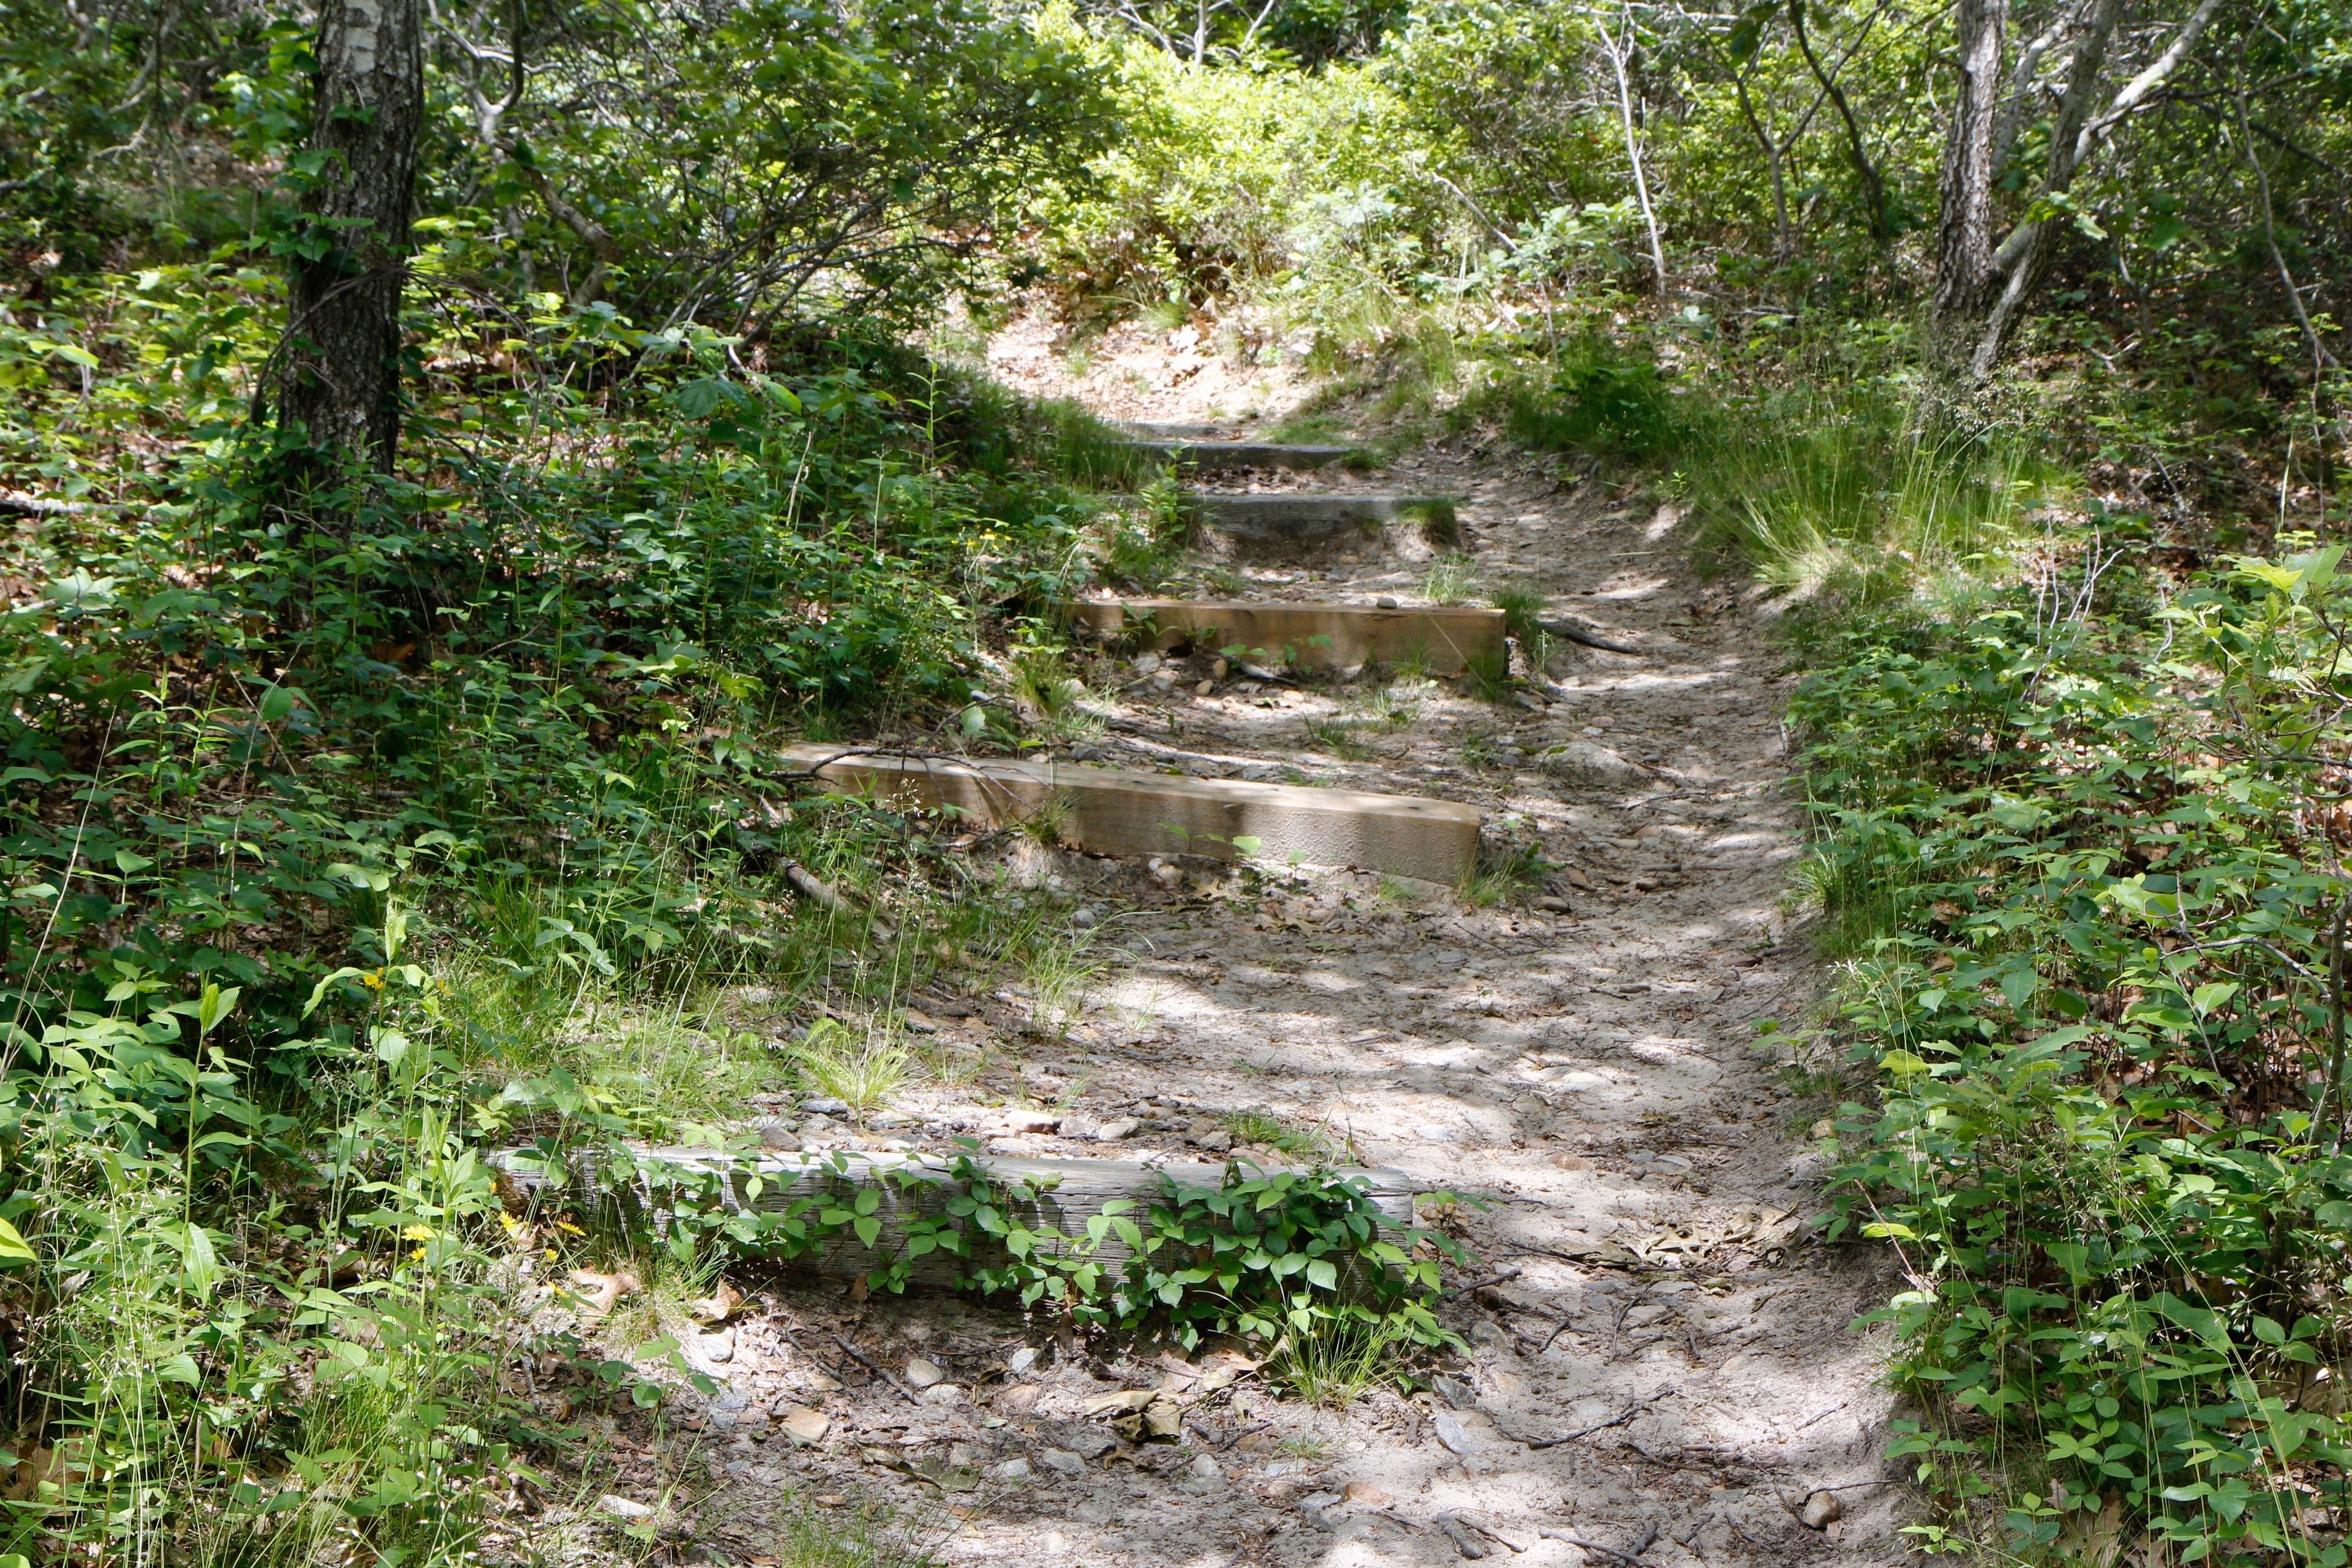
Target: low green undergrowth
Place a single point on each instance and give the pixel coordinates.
(2079, 843)
(1261, 1256)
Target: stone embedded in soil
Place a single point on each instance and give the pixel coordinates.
(1021, 1122)
(1364, 1494)
(924, 1373)
(1216, 1143)
(1452, 1434)
(1455, 1391)
(1093, 1445)
(826, 1105)
(1061, 1461)
(1822, 1510)
(1021, 1360)
(1587, 761)
(803, 1426)
(943, 1395)
(1010, 1470)
(1116, 1129)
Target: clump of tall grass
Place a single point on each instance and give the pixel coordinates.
(1859, 499)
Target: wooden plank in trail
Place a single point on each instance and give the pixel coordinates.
(1323, 636)
(1125, 811)
(1078, 1189)
(1298, 517)
(1215, 456)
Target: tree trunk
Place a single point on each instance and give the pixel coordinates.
(340, 357)
(1964, 217)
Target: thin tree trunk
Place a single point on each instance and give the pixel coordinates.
(1783, 243)
(2320, 358)
(340, 375)
(1634, 153)
(1964, 217)
(2024, 257)
(1874, 186)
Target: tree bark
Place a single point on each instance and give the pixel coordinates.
(341, 355)
(2023, 259)
(1964, 217)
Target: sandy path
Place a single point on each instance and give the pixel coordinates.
(1594, 1071)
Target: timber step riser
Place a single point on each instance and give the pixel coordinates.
(1443, 641)
(1220, 456)
(1296, 518)
(1122, 811)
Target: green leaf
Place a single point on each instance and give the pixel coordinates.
(12, 1246)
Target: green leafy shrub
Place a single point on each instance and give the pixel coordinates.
(2078, 863)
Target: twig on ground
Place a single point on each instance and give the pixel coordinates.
(1617, 1420)
(881, 1371)
(1464, 1289)
(1649, 1537)
(1577, 634)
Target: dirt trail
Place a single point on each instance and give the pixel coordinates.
(1594, 1070)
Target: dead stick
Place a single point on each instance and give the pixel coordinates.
(1648, 1536)
(859, 1357)
(1490, 1279)
(1579, 634)
(1617, 1420)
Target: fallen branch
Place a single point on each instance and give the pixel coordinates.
(1617, 1420)
(881, 1371)
(35, 506)
(1482, 1284)
(1649, 1537)
(1577, 634)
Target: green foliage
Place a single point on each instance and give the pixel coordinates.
(2092, 964)
(862, 1071)
(1261, 1255)
(1596, 395)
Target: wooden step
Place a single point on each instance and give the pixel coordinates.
(1216, 456)
(1299, 518)
(1318, 635)
(1124, 811)
(1077, 1191)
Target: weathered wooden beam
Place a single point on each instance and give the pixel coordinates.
(1122, 811)
(1444, 640)
(1301, 517)
(1217, 456)
(911, 1185)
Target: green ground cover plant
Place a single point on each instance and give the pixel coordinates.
(2078, 843)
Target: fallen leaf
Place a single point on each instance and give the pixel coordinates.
(720, 1305)
(597, 1294)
